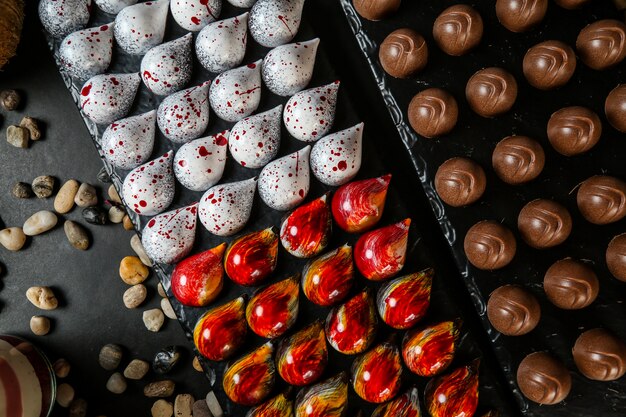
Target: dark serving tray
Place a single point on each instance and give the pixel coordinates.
(475, 137)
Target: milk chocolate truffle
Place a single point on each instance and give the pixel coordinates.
(570, 284)
(543, 379)
(571, 4)
(616, 257)
(574, 130)
(460, 181)
(376, 9)
(433, 112)
(600, 355)
(520, 15)
(513, 310)
(549, 65)
(403, 53)
(602, 199)
(518, 159)
(544, 223)
(615, 107)
(491, 91)
(602, 44)
(458, 29)
(489, 245)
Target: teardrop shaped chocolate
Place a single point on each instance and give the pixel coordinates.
(184, 115)
(275, 22)
(199, 164)
(256, 139)
(305, 232)
(285, 182)
(328, 398)
(288, 69)
(428, 351)
(359, 205)
(381, 253)
(106, 98)
(87, 52)
(251, 258)
(403, 301)
(302, 358)
(336, 158)
(128, 143)
(167, 68)
(221, 45)
(376, 373)
(279, 406)
(62, 17)
(225, 209)
(406, 405)
(141, 26)
(221, 331)
(193, 15)
(327, 279)
(454, 394)
(310, 114)
(274, 309)
(169, 237)
(351, 326)
(236, 93)
(149, 188)
(198, 280)
(250, 379)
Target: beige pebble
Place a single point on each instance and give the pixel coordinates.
(40, 325)
(153, 319)
(42, 297)
(135, 296)
(133, 271)
(31, 124)
(76, 235)
(110, 356)
(78, 408)
(86, 196)
(116, 383)
(159, 389)
(167, 308)
(40, 222)
(17, 136)
(214, 405)
(43, 186)
(64, 200)
(127, 223)
(65, 395)
(136, 369)
(114, 195)
(183, 405)
(61, 368)
(116, 214)
(12, 238)
(162, 408)
(200, 409)
(196, 364)
(161, 290)
(135, 243)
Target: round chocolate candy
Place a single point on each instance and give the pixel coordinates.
(544, 223)
(574, 130)
(616, 257)
(571, 4)
(376, 9)
(489, 245)
(570, 284)
(543, 379)
(601, 199)
(458, 29)
(460, 181)
(433, 112)
(491, 91)
(518, 159)
(615, 107)
(403, 53)
(520, 15)
(549, 65)
(602, 44)
(600, 355)
(513, 310)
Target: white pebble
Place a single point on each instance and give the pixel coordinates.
(153, 319)
(167, 308)
(135, 243)
(214, 406)
(40, 222)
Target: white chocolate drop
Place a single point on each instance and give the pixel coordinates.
(284, 183)
(149, 188)
(141, 26)
(288, 69)
(62, 17)
(128, 143)
(114, 6)
(255, 140)
(87, 52)
(310, 114)
(193, 15)
(221, 45)
(336, 158)
(275, 22)
(225, 209)
(236, 93)
(184, 115)
(169, 237)
(166, 68)
(106, 98)
(199, 164)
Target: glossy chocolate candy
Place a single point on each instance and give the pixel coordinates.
(376, 9)
(381, 253)
(251, 258)
(458, 29)
(302, 357)
(306, 230)
(513, 310)
(454, 394)
(403, 53)
(327, 279)
(518, 159)
(278, 406)
(358, 205)
(521, 15)
(549, 65)
(376, 373)
(198, 279)
(433, 112)
(571, 284)
(429, 351)
(574, 130)
(491, 91)
(460, 181)
(274, 309)
(544, 223)
(250, 379)
(221, 331)
(543, 379)
(616, 257)
(351, 327)
(601, 199)
(602, 44)
(615, 107)
(403, 302)
(489, 245)
(600, 355)
(406, 405)
(328, 398)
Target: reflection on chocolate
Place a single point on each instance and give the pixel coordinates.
(520, 15)
(543, 379)
(574, 130)
(489, 245)
(602, 44)
(571, 4)
(458, 29)
(403, 53)
(518, 159)
(549, 65)
(491, 91)
(460, 181)
(616, 257)
(513, 310)
(433, 112)
(375, 9)
(544, 223)
(570, 284)
(600, 355)
(602, 199)
(615, 107)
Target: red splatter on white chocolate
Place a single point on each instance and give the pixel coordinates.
(225, 209)
(106, 98)
(62, 17)
(288, 69)
(199, 164)
(114, 6)
(87, 52)
(184, 115)
(128, 143)
(166, 68)
(284, 183)
(193, 15)
(275, 22)
(149, 188)
(221, 45)
(169, 237)
(243, 4)
(255, 140)
(336, 158)
(236, 93)
(141, 26)
(310, 114)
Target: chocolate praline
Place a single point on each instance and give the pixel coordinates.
(574, 130)
(571, 4)
(616, 257)
(602, 44)
(433, 112)
(570, 284)
(403, 53)
(518, 159)
(460, 181)
(549, 65)
(491, 91)
(543, 379)
(600, 355)
(513, 310)
(376, 9)
(601, 199)
(520, 15)
(458, 29)
(615, 108)
(489, 245)
(544, 223)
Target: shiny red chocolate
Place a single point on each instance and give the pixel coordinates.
(430, 350)
(351, 327)
(327, 279)
(454, 394)
(221, 331)
(305, 231)
(250, 379)
(198, 279)
(358, 205)
(328, 398)
(381, 253)
(406, 405)
(302, 357)
(279, 406)
(376, 373)
(403, 302)
(251, 258)
(274, 309)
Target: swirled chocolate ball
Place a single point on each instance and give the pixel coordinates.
(376, 9)
(403, 53)
(521, 15)
(549, 65)
(574, 130)
(544, 379)
(458, 29)
(518, 159)
(544, 223)
(433, 112)
(616, 257)
(615, 108)
(489, 245)
(601, 199)
(602, 44)
(460, 182)
(600, 355)
(570, 284)
(513, 310)
(491, 91)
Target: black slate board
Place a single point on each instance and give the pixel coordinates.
(475, 137)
